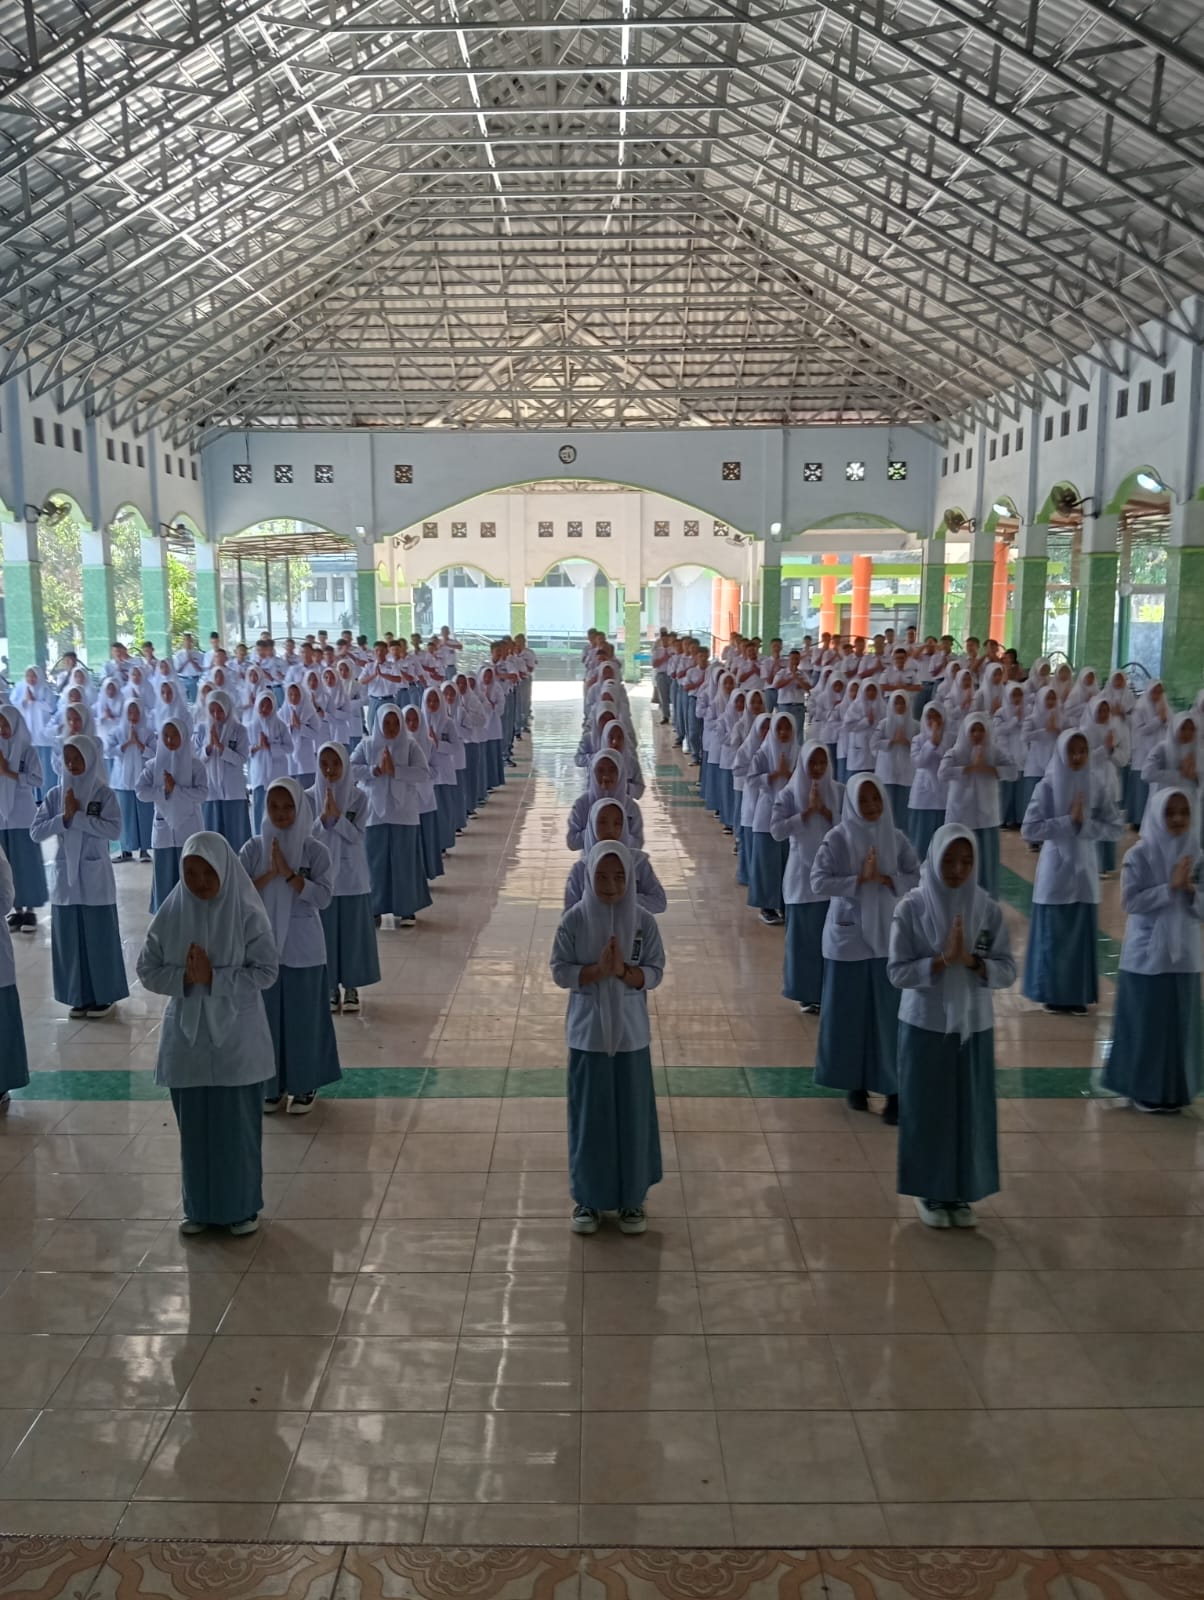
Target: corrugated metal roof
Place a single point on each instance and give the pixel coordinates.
(498, 213)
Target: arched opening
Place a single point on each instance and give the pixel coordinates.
(287, 579)
(682, 599)
(61, 525)
(467, 600)
(127, 529)
(1142, 538)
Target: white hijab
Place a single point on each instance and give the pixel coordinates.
(876, 902)
(939, 905)
(599, 923)
(800, 780)
(963, 750)
(398, 746)
(222, 928)
(84, 789)
(14, 746)
(292, 846)
(1173, 930)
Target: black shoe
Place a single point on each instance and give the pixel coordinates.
(14, 919)
(890, 1111)
(144, 855)
(857, 1100)
(29, 922)
(126, 855)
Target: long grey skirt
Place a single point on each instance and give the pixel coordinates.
(432, 855)
(28, 868)
(1011, 802)
(744, 841)
(988, 860)
(230, 818)
(475, 756)
(137, 820)
(303, 1040)
(495, 768)
(221, 1152)
(921, 825)
(352, 958)
(858, 1028)
(14, 1062)
(165, 873)
(1156, 1038)
(803, 967)
(85, 956)
(1060, 965)
(447, 812)
(899, 793)
(766, 866)
(948, 1148)
(396, 869)
(614, 1139)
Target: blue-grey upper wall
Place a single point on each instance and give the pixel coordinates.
(382, 482)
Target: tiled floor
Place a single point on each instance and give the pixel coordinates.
(415, 1348)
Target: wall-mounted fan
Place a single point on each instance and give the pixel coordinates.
(1065, 499)
(407, 541)
(954, 521)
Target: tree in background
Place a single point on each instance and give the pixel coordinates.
(60, 552)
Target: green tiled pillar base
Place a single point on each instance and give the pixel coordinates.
(156, 603)
(980, 580)
(771, 603)
(208, 604)
(932, 600)
(100, 615)
(24, 615)
(602, 607)
(1095, 627)
(366, 602)
(1028, 607)
(405, 619)
(518, 617)
(750, 612)
(632, 620)
(1183, 628)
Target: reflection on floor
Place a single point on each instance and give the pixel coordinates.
(415, 1348)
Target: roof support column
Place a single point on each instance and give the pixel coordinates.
(23, 608)
(100, 601)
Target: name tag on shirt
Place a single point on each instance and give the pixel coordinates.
(982, 946)
(94, 808)
(637, 950)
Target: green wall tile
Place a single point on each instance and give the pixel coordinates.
(518, 617)
(980, 581)
(24, 615)
(156, 608)
(1182, 632)
(100, 614)
(932, 596)
(633, 613)
(1095, 625)
(1028, 607)
(366, 603)
(771, 603)
(208, 605)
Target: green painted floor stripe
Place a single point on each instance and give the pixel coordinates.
(525, 1083)
(1017, 892)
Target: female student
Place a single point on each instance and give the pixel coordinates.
(616, 738)
(1156, 1035)
(271, 746)
(172, 702)
(1042, 728)
(608, 954)
(849, 712)
(1107, 739)
(389, 766)
(1071, 810)
(340, 808)
(491, 694)
(14, 1062)
(769, 772)
(129, 750)
(948, 949)
(295, 879)
(727, 747)
(1007, 729)
(301, 720)
(21, 779)
(605, 782)
(475, 726)
(1151, 718)
(893, 762)
(862, 728)
(802, 814)
(82, 816)
(747, 793)
(456, 731)
(607, 822)
(210, 948)
(428, 811)
(863, 866)
(34, 700)
(222, 744)
(971, 770)
(110, 715)
(174, 784)
(929, 793)
(441, 756)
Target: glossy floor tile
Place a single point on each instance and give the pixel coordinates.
(415, 1349)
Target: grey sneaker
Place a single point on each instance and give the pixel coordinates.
(962, 1215)
(190, 1228)
(351, 999)
(585, 1220)
(932, 1214)
(633, 1221)
(239, 1229)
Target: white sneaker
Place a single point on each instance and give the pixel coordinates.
(633, 1221)
(190, 1228)
(240, 1229)
(270, 1107)
(932, 1216)
(351, 999)
(584, 1220)
(409, 922)
(962, 1215)
(301, 1104)
(95, 1012)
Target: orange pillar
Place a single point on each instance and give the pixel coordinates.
(827, 598)
(859, 619)
(999, 590)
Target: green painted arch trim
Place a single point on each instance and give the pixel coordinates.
(995, 518)
(676, 566)
(580, 477)
(1130, 489)
(452, 566)
(580, 561)
(1046, 513)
